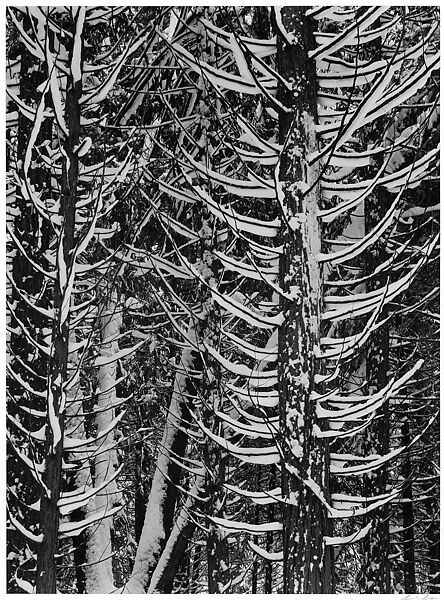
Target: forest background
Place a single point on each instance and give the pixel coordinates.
(223, 299)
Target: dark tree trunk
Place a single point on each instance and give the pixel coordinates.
(433, 550)
(269, 540)
(217, 549)
(255, 565)
(307, 561)
(46, 581)
(376, 571)
(408, 517)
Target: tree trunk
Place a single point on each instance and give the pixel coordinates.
(99, 572)
(81, 477)
(162, 580)
(269, 538)
(307, 561)
(433, 554)
(52, 476)
(376, 571)
(159, 515)
(408, 516)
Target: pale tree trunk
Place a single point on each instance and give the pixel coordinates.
(159, 515)
(46, 578)
(307, 561)
(98, 572)
(162, 580)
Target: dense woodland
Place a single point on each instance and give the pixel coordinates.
(223, 298)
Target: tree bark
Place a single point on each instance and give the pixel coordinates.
(307, 561)
(162, 580)
(98, 570)
(159, 515)
(408, 516)
(49, 513)
(376, 571)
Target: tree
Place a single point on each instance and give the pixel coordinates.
(256, 198)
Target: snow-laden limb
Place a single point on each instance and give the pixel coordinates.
(24, 585)
(343, 348)
(348, 539)
(376, 463)
(361, 406)
(339, 433)
(267, 353)
(351, 35)
(251, 271)
(222, 79)
(24, 384)
(341, 509)
(251, 528)
(333, 13)
(99, 93)
(376, 103)
(256, 377)
(261, 456)
(73, 528)
(254, 397)
(105, 359)
(351, 252)
(271, 556)
(265, 430)
(71, 501)
(264, 497)
(243, 188)
(237, 309)
(342, 307)
(222, 38)
(33, 46)
(236, 221)
(29, 535)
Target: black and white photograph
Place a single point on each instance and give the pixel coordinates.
(222, 299)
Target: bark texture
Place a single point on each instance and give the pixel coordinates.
(52, 476)
(307, 562)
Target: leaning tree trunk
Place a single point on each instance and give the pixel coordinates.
(162, 580)
(307, 561)
(49, 511)
(159, 515)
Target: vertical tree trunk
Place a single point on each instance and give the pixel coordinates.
(307, 561)
(49, 512)
(219, 576)
(99, 572)
(376, 571)
(433, 550)
(215, 461)
(268, 566)
(408, 517)
(80, 478)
